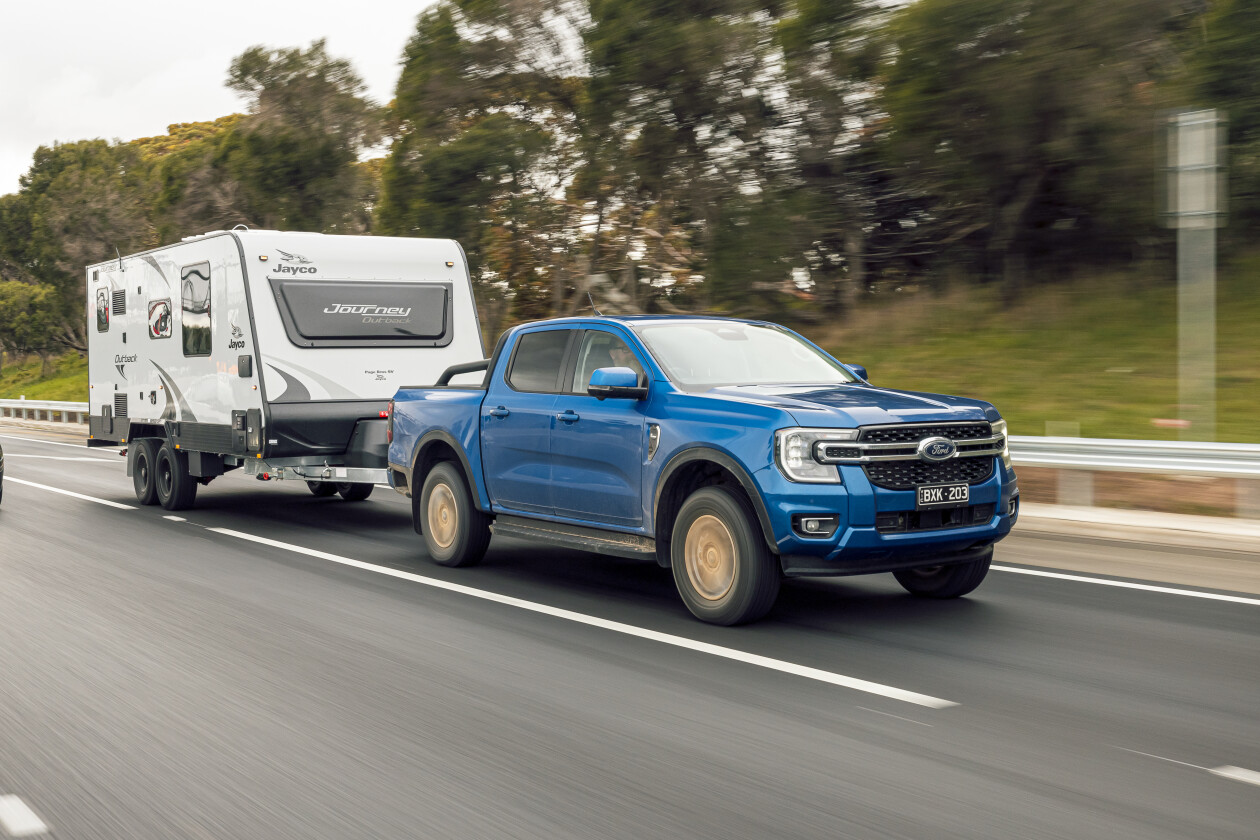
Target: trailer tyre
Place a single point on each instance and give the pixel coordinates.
(455, 532)
(176, 489)
(723, 570)
(354, 491)
(945, 581)
(144, 470)
(322, 489)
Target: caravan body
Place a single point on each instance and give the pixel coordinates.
(264, 346)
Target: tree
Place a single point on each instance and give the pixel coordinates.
(484, 132)
(79, 203)
(291, 162)
(29, 318)
(1029, 123)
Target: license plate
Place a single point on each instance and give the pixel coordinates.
(942, 495)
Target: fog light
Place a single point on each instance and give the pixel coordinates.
(815, 524)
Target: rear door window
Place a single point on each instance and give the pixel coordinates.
(538, 361)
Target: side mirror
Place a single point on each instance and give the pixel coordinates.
(616, 382)
(859, 370)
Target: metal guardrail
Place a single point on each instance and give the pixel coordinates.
(45, 410)
(1221, 460)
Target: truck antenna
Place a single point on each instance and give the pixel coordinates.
(592, 300)
(119, 253)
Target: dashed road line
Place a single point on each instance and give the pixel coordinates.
(1124, 584)
(118, 505)
(63, 458)
(615, 626)
(41, 440)
(1238, 774)
(18, 820)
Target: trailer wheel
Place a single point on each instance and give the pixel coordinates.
(945, 581)
(144, 470)
(723, 570)
(354, 492)
(176, 489)
(322, 488)
(455, 532)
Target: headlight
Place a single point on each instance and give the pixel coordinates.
(999, 428)
(794, 450)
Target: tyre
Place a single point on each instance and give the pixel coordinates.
(176, 489)
(144, 470)
(455, 532)
(722, 567)
(353, 492)
(322, 488)
(951, 581)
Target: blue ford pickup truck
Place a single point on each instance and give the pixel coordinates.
(734, 452)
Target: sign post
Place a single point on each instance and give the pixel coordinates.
(1196, 189)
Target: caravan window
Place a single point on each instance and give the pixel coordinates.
(194, 298)
(364, 313)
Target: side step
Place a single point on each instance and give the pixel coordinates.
(574, 536)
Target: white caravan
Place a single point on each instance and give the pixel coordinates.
(273, 351)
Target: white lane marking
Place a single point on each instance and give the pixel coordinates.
(41, 440)
(17, 819)
(1161, 758)
(1238, 774)
(898, 717)
(1124, 584)
(63, 458)
(118, 505)
(615, 626)
(175, 518)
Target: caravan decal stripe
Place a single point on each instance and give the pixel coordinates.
(158, 269)
(186, 413)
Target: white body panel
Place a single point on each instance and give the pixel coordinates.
(138, 355)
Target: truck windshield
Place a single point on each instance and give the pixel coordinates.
(711, 353)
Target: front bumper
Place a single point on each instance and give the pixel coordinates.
(858, 546)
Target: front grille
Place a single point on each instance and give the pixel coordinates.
(906, 475)
(915, 433)
(897, 522)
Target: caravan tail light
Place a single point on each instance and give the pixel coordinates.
(388, 414)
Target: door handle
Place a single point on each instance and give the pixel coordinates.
(499, 412)
(569, 417)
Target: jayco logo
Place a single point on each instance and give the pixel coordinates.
(294, 264)
(366, 309)
(238, 340)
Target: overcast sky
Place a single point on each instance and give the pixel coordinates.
(74, 70)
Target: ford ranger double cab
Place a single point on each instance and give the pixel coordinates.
(734, 452)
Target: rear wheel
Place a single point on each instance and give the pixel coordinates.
(144, 470)
(723, 570)
(176, 489)
(353, 492)
(322, 488)
(455, 532)
(952, 581)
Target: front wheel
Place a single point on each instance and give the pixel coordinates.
(353, 492)
(952, 581)
(455, 532)
(723, 570)
(322, 489)
(176, 489)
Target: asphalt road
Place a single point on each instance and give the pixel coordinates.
(160, 679)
